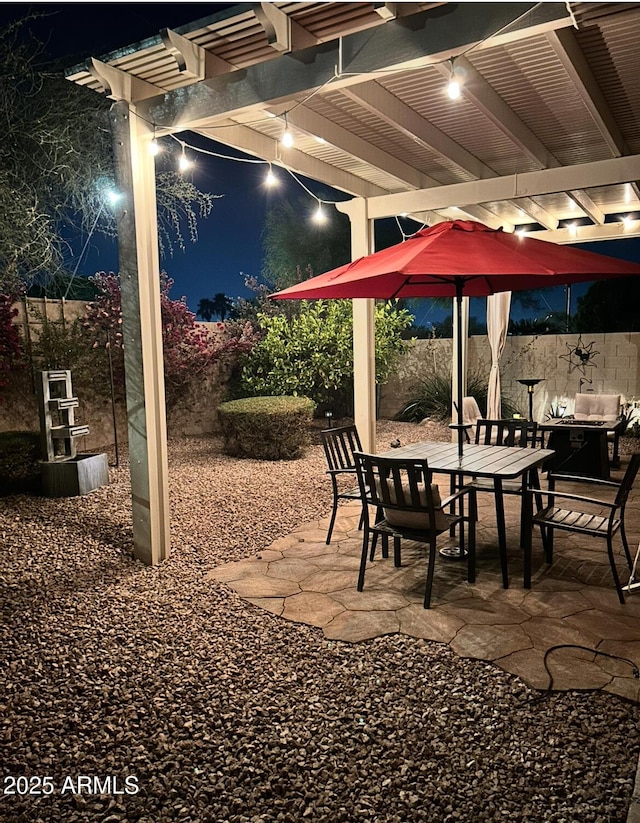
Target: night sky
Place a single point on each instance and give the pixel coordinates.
(230, 239)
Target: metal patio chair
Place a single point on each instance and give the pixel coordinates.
(590, 516)
(408, 506)
(339, 445)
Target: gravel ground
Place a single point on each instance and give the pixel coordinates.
(217, 711)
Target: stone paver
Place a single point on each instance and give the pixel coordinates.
(312, 608)
(355, 627)
(572, 602)
(485, 643)
(264, 586)
(430, 625)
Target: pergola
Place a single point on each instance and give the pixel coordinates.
(546, 131)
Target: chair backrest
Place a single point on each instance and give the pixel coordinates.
(339, 445)
(470, 410)
(396, 484)
(596, 406)
(505, 432)
(628, 480)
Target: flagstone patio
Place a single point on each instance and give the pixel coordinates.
(572, 602)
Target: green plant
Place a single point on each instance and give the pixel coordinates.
(633, 430)
(432, 397)
(311, 354)
(266, 428)
(19, 462)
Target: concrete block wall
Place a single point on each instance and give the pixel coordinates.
(613, 368)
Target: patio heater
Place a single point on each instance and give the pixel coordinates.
(531, 383)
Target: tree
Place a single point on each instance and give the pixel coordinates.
(190, 350)
(56, 166)
(295, 247)
(205, 309)
(11, 352)
(222, 306)
(609, 306)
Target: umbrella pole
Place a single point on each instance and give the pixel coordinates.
(458, 342)
(457, 552)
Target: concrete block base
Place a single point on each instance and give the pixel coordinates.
(78, 475)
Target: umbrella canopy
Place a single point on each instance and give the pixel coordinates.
(456, 259)
(460, 257)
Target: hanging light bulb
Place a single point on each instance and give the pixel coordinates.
(184, 163)
(270, 179)
(154, 147)
(113, 196)
(453, 89)
(320, 216)
(287, 137)
(455, 82)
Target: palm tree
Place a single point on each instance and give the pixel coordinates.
(206, 309)
(222, 306)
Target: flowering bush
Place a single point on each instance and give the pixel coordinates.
(11, 351)
(190, 349)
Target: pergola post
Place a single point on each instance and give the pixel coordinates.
(142, 332)
(364, 358)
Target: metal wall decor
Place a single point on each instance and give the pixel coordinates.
(580, 356)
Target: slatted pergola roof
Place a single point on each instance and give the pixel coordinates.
(546, 87)
(546, 130)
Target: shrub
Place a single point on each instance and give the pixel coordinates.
(432, 397)
(19, 462)
(266, 428)
(311, 353)
(11, 352)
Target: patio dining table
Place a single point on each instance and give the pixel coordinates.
(497, 463)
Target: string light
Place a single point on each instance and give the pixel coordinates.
(287, 137)
(154, 147)
(184, 163)
(453, 88)
(113, 196)
(320, 216)
(270, 179)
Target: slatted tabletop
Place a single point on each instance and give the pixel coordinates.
(502, 462)
(496, 462)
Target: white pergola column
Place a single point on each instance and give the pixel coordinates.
(364, 358)
(142, 332)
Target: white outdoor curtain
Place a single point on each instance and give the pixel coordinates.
(498, 306)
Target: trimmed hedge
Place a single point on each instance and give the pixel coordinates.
(19, 462)
(266, 428)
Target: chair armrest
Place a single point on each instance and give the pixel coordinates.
(456, 495)
(580, 478)
(567, 496)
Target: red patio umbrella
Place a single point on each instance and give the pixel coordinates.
(457, 259)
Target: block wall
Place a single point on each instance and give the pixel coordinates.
(610, 365)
